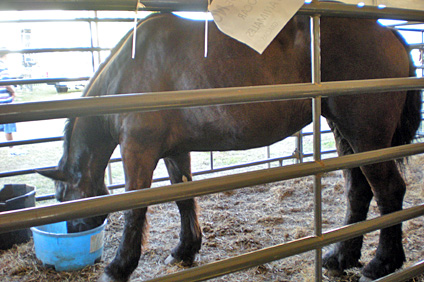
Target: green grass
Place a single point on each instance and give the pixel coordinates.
(42, 92)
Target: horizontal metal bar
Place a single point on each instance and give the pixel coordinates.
(99, 20)
(322, 152)
(331, 9)
(324, 8)
(13, 220)
(22, 5)
(226, 168)
(405, 274)
(410, 29)
(31, 141)
(180, 5)
(115, 160)
(191, 98)
(401, 25)
(23, 171)
(214, 170)
(344, 10)
(114, 5)
(416, 46)
(42, 80)
(155, 180)
(52, 50)
(18, 172)
(259, 257)
(310, 133)
(45, 197)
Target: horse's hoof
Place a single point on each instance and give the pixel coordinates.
(105, 278)
(170, 260)
(365, 279)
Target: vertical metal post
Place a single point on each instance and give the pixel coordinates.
(316, 111)
(109, 176)
(94, 66)
(211, 160)
(268, 155)
(299, 147)
(92, 45)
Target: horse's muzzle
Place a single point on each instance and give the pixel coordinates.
(84, 224)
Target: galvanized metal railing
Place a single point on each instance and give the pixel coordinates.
(171, 100)
(87, 106)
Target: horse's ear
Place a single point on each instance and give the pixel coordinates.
(54, 174)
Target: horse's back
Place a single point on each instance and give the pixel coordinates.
(363, 49)
(169, 56)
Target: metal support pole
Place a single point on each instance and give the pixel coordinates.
(298, 153)
(211, 160)
(316, 110)
(109, 176)
(91, 45)
(268, 154)
(96, 24)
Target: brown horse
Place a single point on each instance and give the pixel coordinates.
(170, 57)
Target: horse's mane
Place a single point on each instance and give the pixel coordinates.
(67, 133)
(69, 126)
(113, 52)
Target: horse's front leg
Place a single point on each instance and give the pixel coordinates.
(190, 236)
(129, 251)
(138, 170)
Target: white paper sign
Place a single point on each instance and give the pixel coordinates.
(253, 22)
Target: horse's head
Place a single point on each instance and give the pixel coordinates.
(75, 187)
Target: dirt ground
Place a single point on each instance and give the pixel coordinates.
(234, 223)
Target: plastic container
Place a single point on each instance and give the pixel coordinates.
(13, 197)
(64, 251)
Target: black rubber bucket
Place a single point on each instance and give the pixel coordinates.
(13, 197)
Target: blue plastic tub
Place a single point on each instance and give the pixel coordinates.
(64, 251)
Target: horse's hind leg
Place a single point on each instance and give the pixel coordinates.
(389, 190)
(190, 236)
(387, 187)
(346, 254)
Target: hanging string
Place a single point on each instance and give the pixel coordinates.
(207, 29)
(139, 5)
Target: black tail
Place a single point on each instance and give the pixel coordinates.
(411, 117)
(410, 120)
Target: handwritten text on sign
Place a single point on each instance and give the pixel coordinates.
(253, 22)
